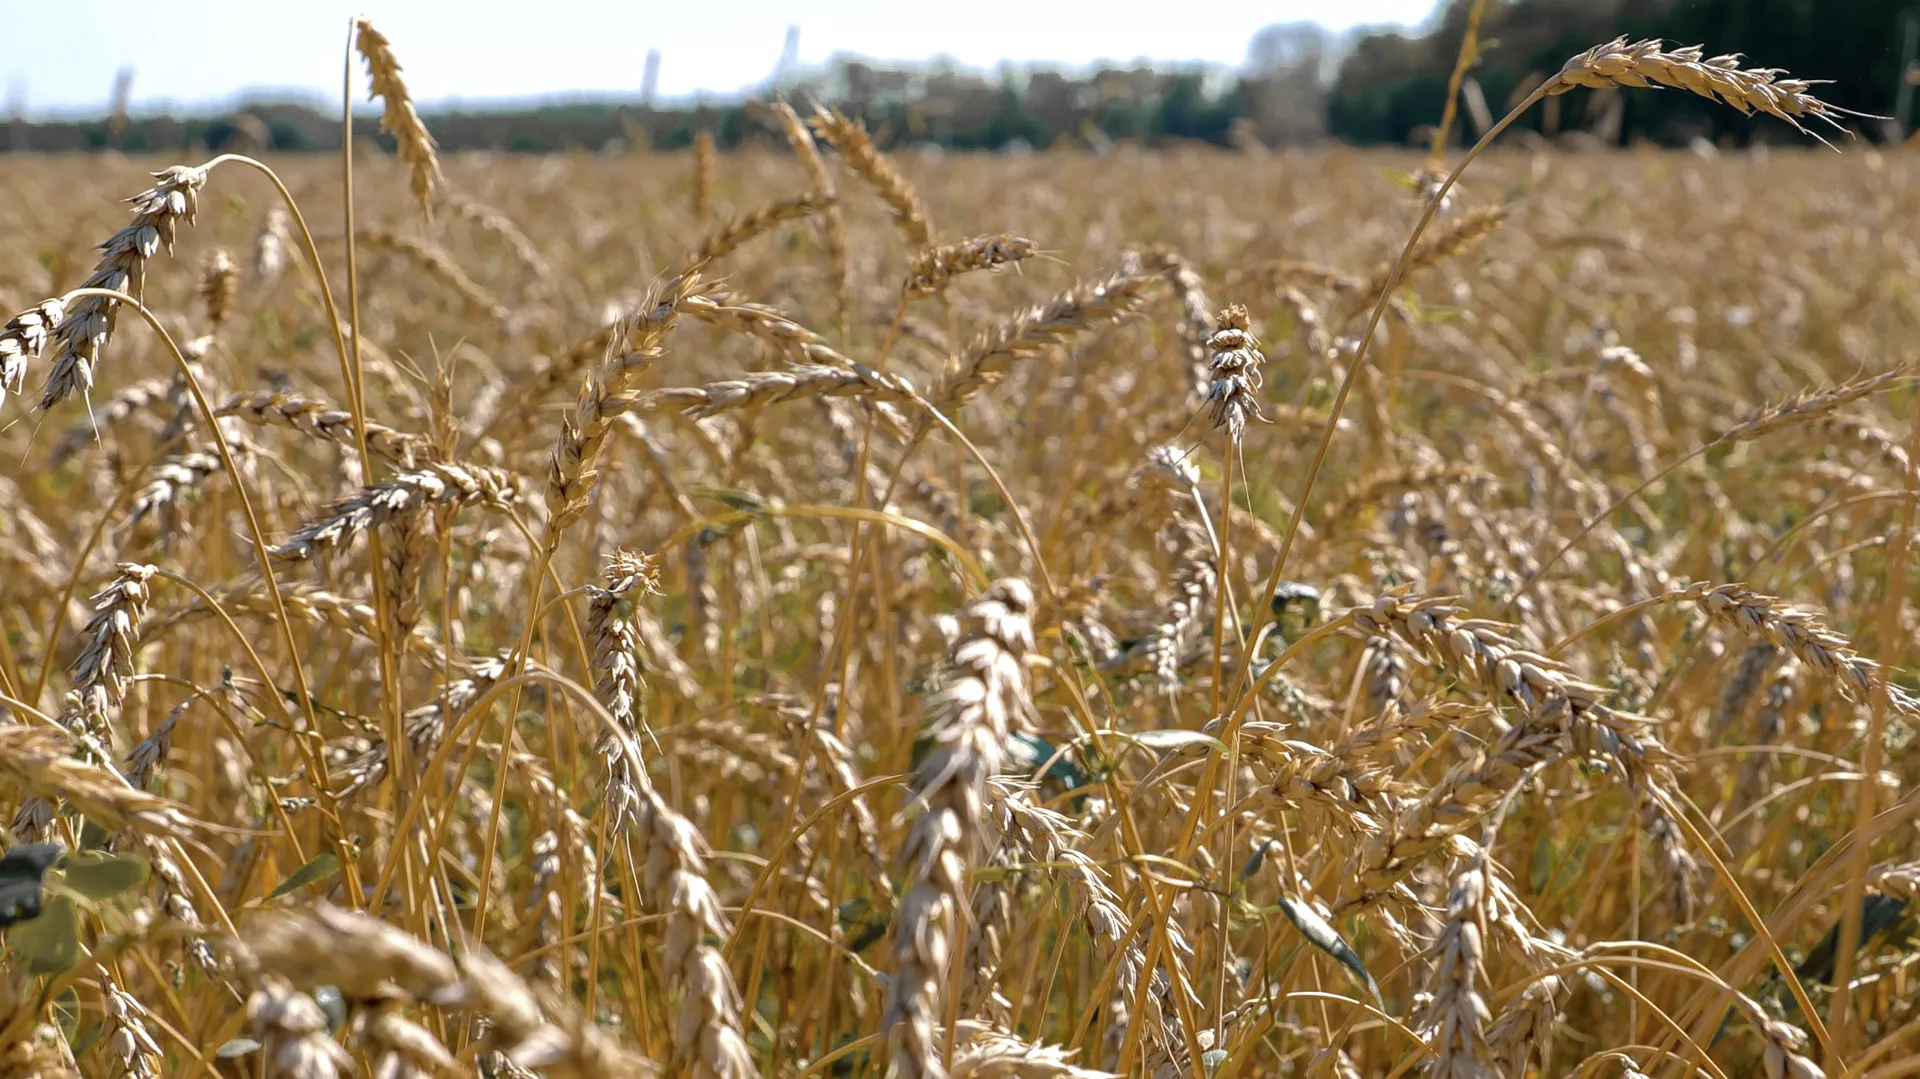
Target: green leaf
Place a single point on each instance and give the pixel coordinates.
(237, 1048)
(99, 875)
(320, 868)
(92, 836)
(1322, 936)
(50, 943)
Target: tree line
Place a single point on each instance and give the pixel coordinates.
(1299, 85)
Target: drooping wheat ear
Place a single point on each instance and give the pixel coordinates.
(270, 247)
(151, 752)
(1454, 1015)
(1190, 596)
(702, 175)
(125, 1040)
(41, 761)
(319, 419)
(21, 339)
(1196, 311)
(101, 671)
(1805, 635)
(440, 266)
(487, 219)
(968, 722)
(435, 484)
(219, 282)
(707, 1037)
(167, 482)
(617, 682)
(1803, 407)
(1643, 64)
(990, 356)
(635, 345)
(1233, 394)
(398, 117)
(935, 267)
(1782, 1059)
(756, 222)
(761, 388)
(292, 1032)
(82, 335)
(796, 342)
(1523, 1035)
(849, 136)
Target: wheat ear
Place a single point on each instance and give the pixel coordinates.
(398, 116)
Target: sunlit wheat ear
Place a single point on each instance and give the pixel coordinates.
(849, 136)
(81, 337)
(1782, 1058)
(292, 1033)
(798, 343)
(318, 419)
(1455, 1015)
(398, 117)
(1643, 63)
(1233, 395)
(614, 632)
(21, 339)
(125, 1039)
(636, 344)
(101, 671)
(436, 484)
(729, 237)
(935, 267)
(707, 1032)
(992, 354)
(1805, 635)
(968, 723)
(761, 388)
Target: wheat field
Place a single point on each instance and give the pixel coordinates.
(812, 611)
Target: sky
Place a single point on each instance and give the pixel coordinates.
(212, 52)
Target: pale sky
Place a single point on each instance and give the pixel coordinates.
(203, 54)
